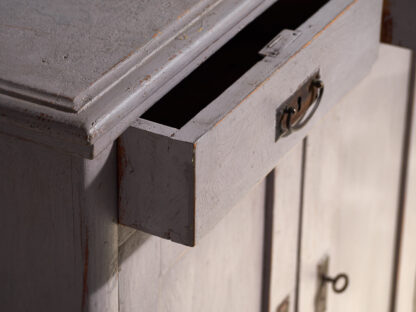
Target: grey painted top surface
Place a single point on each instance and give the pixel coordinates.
(60, 48)
(76, 79)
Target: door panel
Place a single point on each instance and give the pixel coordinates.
(351, 189)
(222, 273)
(285, 229)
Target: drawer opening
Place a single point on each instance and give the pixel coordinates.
(229, 63)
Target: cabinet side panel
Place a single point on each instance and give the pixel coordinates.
(58, 230)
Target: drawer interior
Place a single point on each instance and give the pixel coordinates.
(229, 63)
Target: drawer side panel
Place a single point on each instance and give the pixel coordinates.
(156, 177)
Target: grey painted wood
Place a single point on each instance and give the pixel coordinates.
(285, 229)
(58, 233)
(203, 168)
(352, 186)
(222, 273)
(164, 203)
(55, 50)
(86, 90)
(406, 289)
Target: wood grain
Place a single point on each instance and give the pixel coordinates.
(58, 231)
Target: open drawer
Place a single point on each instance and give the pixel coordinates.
(201, 147)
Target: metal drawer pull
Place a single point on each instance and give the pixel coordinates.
(339, 282)
(300, 108)
(302, 122)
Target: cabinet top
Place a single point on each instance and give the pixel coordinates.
(57, 52)
(76, 73)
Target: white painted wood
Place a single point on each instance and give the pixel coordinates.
(352, 188)
(205, 167)
(406, 289)
(58, 232)
(222, 273)
(285, 229)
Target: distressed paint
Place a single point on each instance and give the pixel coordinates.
(115, 100)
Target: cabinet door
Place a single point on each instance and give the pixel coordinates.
(351, 190)
(222, 273)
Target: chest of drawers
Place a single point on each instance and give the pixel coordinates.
(131, 130)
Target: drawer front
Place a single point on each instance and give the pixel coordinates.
(178, 183)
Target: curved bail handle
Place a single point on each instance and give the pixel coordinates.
(317, 83)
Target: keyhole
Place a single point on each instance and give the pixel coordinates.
(299, 103)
